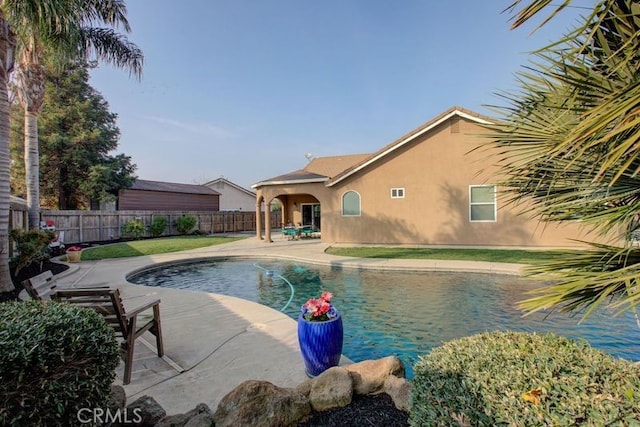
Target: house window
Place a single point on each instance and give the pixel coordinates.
(397, 193)
(482, 203)
(350, 204)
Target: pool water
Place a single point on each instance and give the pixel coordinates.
(401, 313)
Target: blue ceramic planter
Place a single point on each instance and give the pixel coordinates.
(320, 344)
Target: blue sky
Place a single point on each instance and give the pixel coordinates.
(244, 88)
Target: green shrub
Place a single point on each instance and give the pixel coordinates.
(185, 224)
(56, 360)
(133, 229)
(31, 246)
(521, 379)
(158, 225)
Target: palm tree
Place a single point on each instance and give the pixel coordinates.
(569, 140)
(58, 30)
(81, 39)
(7, 45)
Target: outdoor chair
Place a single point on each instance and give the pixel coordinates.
(43, 285)
(40, 287)
(108, 303)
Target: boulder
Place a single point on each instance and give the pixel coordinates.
(201, 415)
(399, 389)
(200, 420)
(304, 387)
(117, 399)
(260, 403)
(331, 389)
(144, 412)
(369, 376)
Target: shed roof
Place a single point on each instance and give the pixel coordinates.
(171, 187)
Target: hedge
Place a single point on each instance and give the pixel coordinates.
(523, 379)
(56, 360)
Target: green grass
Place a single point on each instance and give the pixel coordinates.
(153, 246)
(492, 255)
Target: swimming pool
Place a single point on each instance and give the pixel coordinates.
(391, 312)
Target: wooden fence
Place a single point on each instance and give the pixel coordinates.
(100, 226)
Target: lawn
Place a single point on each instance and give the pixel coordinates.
(491, 255)
(153, 246)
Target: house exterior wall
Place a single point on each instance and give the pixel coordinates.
(166, 201)
(435, 170)
(232, 199)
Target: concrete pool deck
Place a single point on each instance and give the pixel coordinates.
(215, 342)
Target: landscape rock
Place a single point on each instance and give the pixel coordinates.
(117, 398)
(147, 410)
(304, 387)
(177, 420)
(369, 376)
(202, 414)
(399, 389)
(331, 389)
(260, 403)
(200, 420)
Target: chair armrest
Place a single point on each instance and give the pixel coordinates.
(134, 312)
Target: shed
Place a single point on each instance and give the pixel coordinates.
(168, 196)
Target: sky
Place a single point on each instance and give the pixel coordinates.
(246, 88)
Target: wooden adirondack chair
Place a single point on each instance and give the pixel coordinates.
(40, 287)
(108, 303)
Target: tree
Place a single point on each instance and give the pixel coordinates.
(7, 46)
(78, 38)
(569, 141)
(31, 28)
(77, 133)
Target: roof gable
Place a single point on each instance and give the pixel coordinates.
(334, 169)
(171, 187)
(407, 138)
(210, 184)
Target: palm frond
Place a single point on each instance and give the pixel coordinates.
(112, 47)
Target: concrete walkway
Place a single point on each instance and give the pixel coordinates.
(214, 342)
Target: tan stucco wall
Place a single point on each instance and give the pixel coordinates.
(435, 171)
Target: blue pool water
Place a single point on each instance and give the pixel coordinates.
(401, 313)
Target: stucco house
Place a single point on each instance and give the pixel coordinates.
(428, 187)
(233, 197)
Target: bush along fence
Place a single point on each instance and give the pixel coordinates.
(99, 226)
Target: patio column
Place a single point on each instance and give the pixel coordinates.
(258, 221)
(267, 222)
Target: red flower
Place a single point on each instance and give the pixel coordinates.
(319, 309)
(74, 249)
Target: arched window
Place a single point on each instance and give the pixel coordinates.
(350, 204)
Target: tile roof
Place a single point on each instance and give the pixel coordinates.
(171, 187)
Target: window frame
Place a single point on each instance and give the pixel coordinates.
(398, 190)
(359, 203)
(494, 203)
